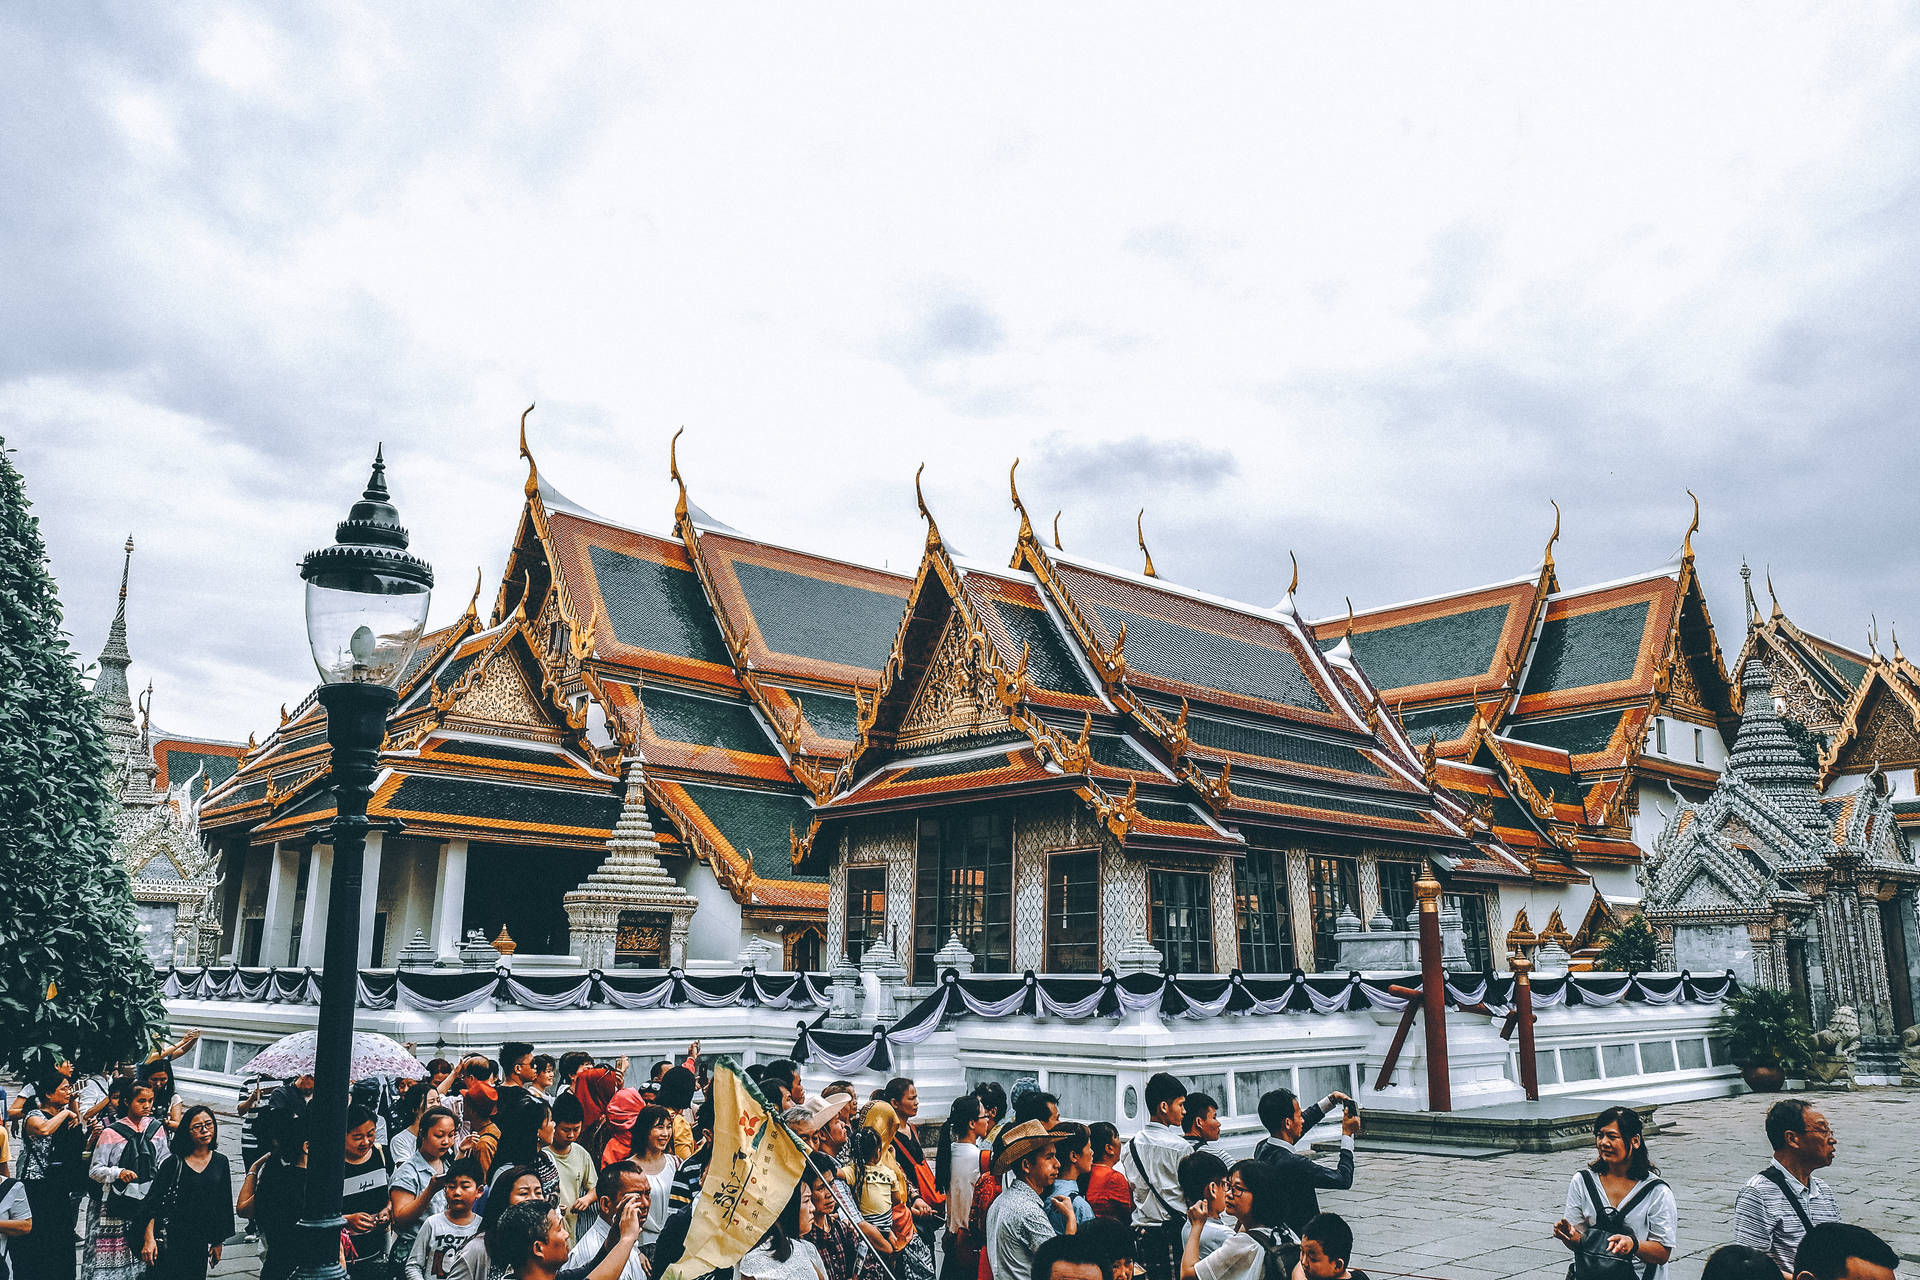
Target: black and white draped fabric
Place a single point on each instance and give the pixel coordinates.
(461, 990)
(1031, 995)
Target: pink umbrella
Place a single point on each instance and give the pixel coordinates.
(373, 1055)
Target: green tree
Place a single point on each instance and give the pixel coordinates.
(1629, 947)
(74, 980)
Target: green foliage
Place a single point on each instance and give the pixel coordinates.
(1762, 1029)
(66, 907)
(1629, 947)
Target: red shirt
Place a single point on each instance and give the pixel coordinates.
(1110, 1194)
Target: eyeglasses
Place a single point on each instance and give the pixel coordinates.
(202, 1126)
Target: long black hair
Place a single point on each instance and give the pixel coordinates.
(786, 1228)
(183, 1146)
(960, 1117)
(1639, 1162)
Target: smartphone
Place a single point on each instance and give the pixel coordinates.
(1352, 1107)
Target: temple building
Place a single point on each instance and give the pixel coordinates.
(158, 778)
(1069, 767)
(1769, 878)
(1562, 717)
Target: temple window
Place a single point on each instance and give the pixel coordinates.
(1396, 891)
(1073, 911)
(1333, 883)
(1700, 745)
(1660, 735)
(964, 886)
(1180, 919)
(866, 909)
(804, 950)
(1265, 920)
(1473, 921)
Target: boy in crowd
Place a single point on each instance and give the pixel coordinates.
(1151, 1164)
(1326, 1247)
(573, 1162)
(1202, 1121)
(1074, 1146)
(1203, 1180)
(436, 1250)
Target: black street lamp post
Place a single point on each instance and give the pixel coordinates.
(366, 609)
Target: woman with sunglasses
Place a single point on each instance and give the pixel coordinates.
(188, 1213)
(1253, 1198)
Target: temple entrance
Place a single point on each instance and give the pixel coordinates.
(1797, 978)
(1893, 934)
(520, 889)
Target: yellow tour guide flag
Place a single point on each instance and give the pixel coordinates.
(756, 1164)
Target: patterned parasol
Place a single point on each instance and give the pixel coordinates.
(373, 1055)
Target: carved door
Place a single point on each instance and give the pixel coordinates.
(1893, 934)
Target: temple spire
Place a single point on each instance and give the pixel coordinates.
(110, 691)
(1765, 756)
(1746, 581)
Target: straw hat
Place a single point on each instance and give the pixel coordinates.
(1020, 1142)
(816, 1112)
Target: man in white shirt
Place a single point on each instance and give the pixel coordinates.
(619, 1183)
(1151, 1164)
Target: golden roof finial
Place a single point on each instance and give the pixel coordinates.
(1893, 629)
(920, 499)
(1777, 612)
(1686, 543)
(1056, 532)
(1555, 535)
(1293, 585)
(1348, 634)
(533, 471)
(1873, 635)
(1140, 531)
(1746, 584)
(673, 474)
(1013, 488)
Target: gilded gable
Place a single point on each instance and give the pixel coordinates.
(956, 698)
(1887, 736)
(501, 695)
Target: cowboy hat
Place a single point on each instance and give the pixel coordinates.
(1019, 1142)
(816, 1112)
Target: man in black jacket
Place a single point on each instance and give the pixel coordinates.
(1301, 1178)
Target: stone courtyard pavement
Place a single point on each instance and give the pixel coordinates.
(1454, 1219)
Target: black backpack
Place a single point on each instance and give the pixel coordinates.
(1279, 1251)
(1591, 1261)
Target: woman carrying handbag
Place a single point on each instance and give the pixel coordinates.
(188, 1213)
(1621, 1222)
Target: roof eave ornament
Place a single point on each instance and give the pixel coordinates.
(1056, 532)
(1286, 604)
(473, 604)
(1026, 525)
(1686, 543)
(533, 471)
(1547, 555)
(673, 473)
(1140, 531)
(1778, 612)
(920, 500)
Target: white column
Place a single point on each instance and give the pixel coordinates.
(369, 896)
(450, 898)
(276, 927)
(313, 929)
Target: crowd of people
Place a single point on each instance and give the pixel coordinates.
(542, 1168)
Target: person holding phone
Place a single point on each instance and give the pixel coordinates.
(1301, 1178)
(416, 1189)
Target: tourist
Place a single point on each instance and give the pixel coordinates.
(1253, 1198)
(625, 1192)
(1842, 1251)
(189, 1213)
(274, 1196)
(287, 1106)
(544, 1070)
(956, 1163)
(1784, 1201)
(821, 1123)
(252, 1110)
(572, 1163)
(418, 1187)
(787, 1073)
(532, 1127)
(1302, 1178)
(570, 1063)
(157, 1075)
(1073, 1145)
(513, 1099)
(1017, 1221)
(363, 1197)
(511, 1185)
(616, 1122)
(404, 1125)
(1203, 1180)
(653, 1152)
(833, 1235)
(127, 1154)
(882, 1196)
(16, 1213)
(439, 1071)
(1201, 1122)
(1066, 1258)
(53, 1169)
(1107, 1189)
(473, 1070)
(482, 1140)
(986, 1188)
(1619, 1194)
(993, 1101)
(1035, 1104)
(676, 1095)
(784, 1253)
(925, 1202)
(535, 1242)
(1151, 1164)
(686, 1183)
(1738, 1262)
(1326, 1249)
(1109, 1242)
(437, 1247)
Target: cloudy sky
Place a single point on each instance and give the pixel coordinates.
(1368, 283)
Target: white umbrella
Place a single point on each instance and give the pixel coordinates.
(373, 1055)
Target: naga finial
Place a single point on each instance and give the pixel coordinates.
(673, 474)
(1056, 532)
(1140, 531)
(1770, 595)
(1293, 584)
(1893, 630)
(1013, 488)
(533, 470)
(1553, 537)
(919, 497)
(1873, 635)
(1686, 543)
(473, 605)
(1349, 631)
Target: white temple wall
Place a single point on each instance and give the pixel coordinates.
(1710, 948)
(714, 935)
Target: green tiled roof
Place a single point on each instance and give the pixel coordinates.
(756, 823)
(705, 722)
(500, 751)
(1850, 671)
(815, 618)
(1168, 811)
(504, 802)
(1049, 665)
(1291, 747)
(949, 768)
(1444, 724)
(1587, 649)
(831, 715)
(252, 791)
(1554, 786)
(1115, 752)
(217, 768)
(1507, 812)
(1432, 649)
(1316, 800)
(1575, 735)
(1209, 660)
(656, 607)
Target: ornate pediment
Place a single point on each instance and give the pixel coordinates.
(1888, 735)
(957, 697)
(501, 694)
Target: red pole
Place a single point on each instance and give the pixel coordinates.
(1523, 1010)
(1433, 993)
